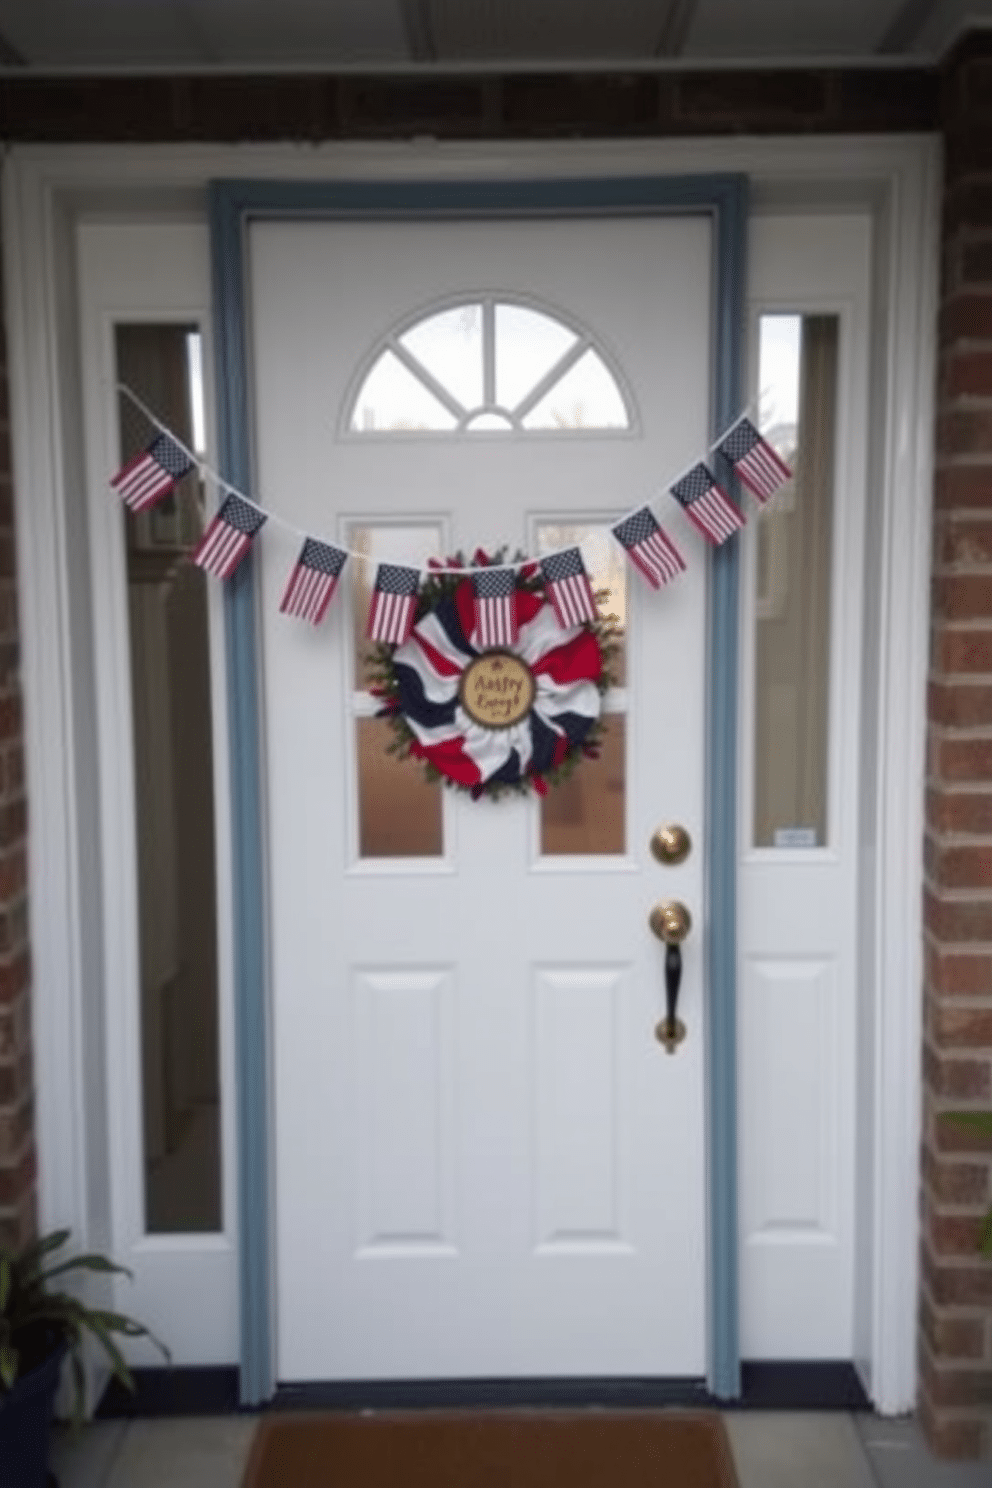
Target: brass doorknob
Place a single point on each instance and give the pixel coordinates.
(670, 921)
(671, 844)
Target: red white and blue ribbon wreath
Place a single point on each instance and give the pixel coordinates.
(489, 718)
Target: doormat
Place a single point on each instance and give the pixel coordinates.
(646, 1449)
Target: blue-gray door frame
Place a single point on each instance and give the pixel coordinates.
(233, 206)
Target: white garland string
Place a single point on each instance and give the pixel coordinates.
(208, 473)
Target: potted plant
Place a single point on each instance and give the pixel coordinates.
(39, 1327)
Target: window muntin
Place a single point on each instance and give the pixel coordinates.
(488, 365)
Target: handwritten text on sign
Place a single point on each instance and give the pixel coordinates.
(497, 689)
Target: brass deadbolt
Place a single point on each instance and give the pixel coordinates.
(671, 844)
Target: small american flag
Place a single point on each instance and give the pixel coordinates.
(759, 466)
(495, 610)
(394, 603)
(152, 474)
(706, 505)
(313, 581)
(568, 587)
(228, 537)
(649, 548)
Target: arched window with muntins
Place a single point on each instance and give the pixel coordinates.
(488, 364)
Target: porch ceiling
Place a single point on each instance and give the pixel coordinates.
(55, 35)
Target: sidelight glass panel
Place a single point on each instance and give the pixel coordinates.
(174, 806)
(797, 409)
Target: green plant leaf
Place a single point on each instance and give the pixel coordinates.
(117, 1322)
(8, 1364)
(78, 1389)
(85, 1263)
(31, 1256)
(118, 1363)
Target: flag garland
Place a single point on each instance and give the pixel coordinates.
(757, 463)
(568, 588)
(228, 537)
(394, 602)
(649, 548)
(707, 504)
(313, 580)
(495, 607)
(311, 585)
(150, 476)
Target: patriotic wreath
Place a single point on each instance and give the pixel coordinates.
(493, 720)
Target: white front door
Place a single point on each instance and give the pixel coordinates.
(486, 1164)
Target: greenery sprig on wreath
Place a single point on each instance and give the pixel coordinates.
(393, 681)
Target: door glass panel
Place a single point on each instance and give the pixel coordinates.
(399, 810)
(174, 807)
(528, 345)
(586, 397)
(449, 345)
(586, 814)
(393, 400)
(798, 392)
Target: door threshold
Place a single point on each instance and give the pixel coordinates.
(816, 1385)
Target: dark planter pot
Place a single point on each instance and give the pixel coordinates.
(25, 1424)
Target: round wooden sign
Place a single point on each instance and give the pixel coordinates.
(497, 689)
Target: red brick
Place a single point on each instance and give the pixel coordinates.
(962, 1286)
(952, 1337)
(18, 1178)
(15, 972)
(966, 1079)
(966, 540)
(954, 1181)
(966, 317)
(958, 919)
(957, 650)
(13, 821)
(976, 260)
(963, 811)
(959, 704)
(13, 926)
(963, 431)
(967, 374)
(955, 1234)
(956, 1386)
(954, 868)
(950, 974)
(963, 596)
(963, 487)
(955, 1437)
(13, 873)
(963, 759)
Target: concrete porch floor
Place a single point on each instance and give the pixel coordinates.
(772, 1450)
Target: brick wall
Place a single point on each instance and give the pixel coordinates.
(17, 1162)
(955, 1338)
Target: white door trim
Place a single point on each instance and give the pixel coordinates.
(47, 188)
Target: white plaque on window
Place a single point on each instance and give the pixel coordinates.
(795, 836)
